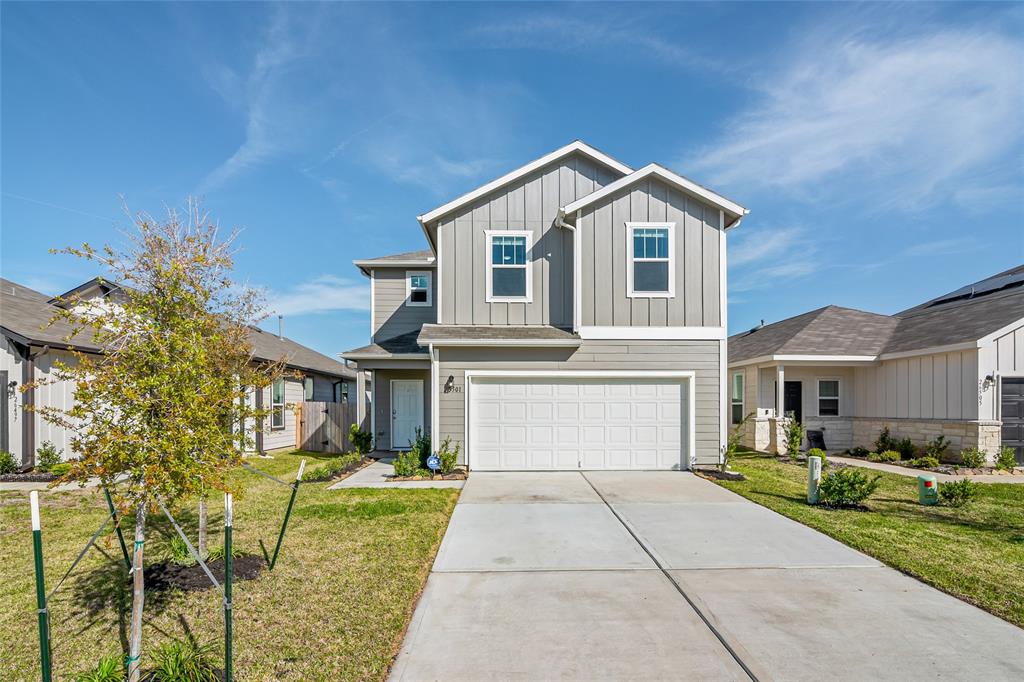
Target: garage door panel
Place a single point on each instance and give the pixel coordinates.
(569, 423)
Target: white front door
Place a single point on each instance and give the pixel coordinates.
(406, 412)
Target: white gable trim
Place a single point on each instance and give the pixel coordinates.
(571, 148)
(732, 208)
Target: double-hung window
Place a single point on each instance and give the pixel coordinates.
(651, 271)
(737, 398)
(277, 404)
(828, 397)
(508, 267)
(417, 289)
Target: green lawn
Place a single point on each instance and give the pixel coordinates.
(335, 607)
(975, 552)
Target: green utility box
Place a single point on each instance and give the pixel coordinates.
(927, 489)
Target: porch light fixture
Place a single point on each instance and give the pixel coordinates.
(449, 383)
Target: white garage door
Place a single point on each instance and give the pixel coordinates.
(530, 423)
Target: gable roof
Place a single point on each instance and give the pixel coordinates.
(574, 147)
(831, 330)
(421, 259)
(25, 315)
(734, 211)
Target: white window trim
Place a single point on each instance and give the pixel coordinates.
(491, 298)
(742, 402)
(274, 406)
(409, 274)
(838, 397)
(671, 293)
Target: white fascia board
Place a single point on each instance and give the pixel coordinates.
(807, 360)
(1002, 331)
(668, 176)
(378, 356)
(653, 333)
(444, 343)
(574, 147)
(951, 348)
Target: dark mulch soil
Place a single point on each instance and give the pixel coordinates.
(167, 575)
(722, 475)
(29, 478)
(459, 475)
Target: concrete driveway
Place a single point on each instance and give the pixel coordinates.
(637, 575)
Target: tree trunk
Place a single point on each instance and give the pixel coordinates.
(138, 597)
(202, 527)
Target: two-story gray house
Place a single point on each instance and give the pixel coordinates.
(570, 314)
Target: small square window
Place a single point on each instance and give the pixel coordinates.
(418, 286)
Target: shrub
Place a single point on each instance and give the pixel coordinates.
(179, 552)
(60, 469)
(333, 467)
(47, 455)
(885, 441)
(846, 487)
(794, 436)
(926, 462)
(421, 447)
(406, 464)
(858, 452)
(906, 448)
(448, 457)
(818, 452)
(887, 456)
(1005, 460)
(936, 448)
(361, 440)
(109, 669)
(972, 458)
(958, 493)
(8, 465)
(184, 661)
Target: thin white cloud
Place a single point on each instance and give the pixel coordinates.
(913, 119)
(760, 258)
(940, 247)
(323, 294)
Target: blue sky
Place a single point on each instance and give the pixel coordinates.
(878, 146)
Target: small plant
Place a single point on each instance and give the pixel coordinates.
(885, 441)
(217, 552)
(732, 445)
(406, 464)
(60, 469)
(179, 552)
(972, 458)
(887, 456)
(906, 448)
(958, 493)
(449, 457)
(184, 661)
(47, 456)
(846, 487)
(818, 452)
(1006, 460)
(8, 465)
(936, 448)
(361, 440)
(794, 435)
(333, 467)
(420, 445)
(926, 462)
(109, 669)
(858, 452)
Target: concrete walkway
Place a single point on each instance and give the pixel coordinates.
(376, 476)
(616, 576)
(913, 473)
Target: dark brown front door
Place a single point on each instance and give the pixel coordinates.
(793, 396)
(1013, 415)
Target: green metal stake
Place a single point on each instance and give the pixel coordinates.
(295, 489)
(44, 617)
(117, 527)
(228, 571)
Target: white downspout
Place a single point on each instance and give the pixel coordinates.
(577, 294)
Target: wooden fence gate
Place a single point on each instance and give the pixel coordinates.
(323, 427)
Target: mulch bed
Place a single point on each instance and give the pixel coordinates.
(718, 475)
(454, 476)
(167, 575)
(31, 477)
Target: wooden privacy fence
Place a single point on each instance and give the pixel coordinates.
(323, 427)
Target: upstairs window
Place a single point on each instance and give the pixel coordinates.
(828, 397)
(737, 398)
(277, 404)
(417, 289)
(651, 272)
(508, 269)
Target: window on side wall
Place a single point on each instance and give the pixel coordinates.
(341, 392)
(307, 388)
(277, 404)
(737, 398)
(509, 276)
(651, 268)
(828, 397)
(417, 286)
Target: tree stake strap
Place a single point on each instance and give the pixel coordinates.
(80, 555)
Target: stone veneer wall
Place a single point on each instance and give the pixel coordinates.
(838, 431)
(984, 435)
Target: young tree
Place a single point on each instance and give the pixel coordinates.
(165, 404)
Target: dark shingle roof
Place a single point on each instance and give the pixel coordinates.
(26, 313)
(435, 333)
(403, 344)
(831, 330)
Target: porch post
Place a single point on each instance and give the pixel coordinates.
(361, 398)
(780, 397)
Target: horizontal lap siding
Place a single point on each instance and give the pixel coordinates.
(391, 317)
(529, 204)
(605, 251)
(283, 438)
(701, 357)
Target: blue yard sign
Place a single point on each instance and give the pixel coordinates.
(434, 462)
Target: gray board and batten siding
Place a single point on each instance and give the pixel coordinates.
(392, 317)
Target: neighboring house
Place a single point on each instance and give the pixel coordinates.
(30, 346)
(570, 314)
(952, 366)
